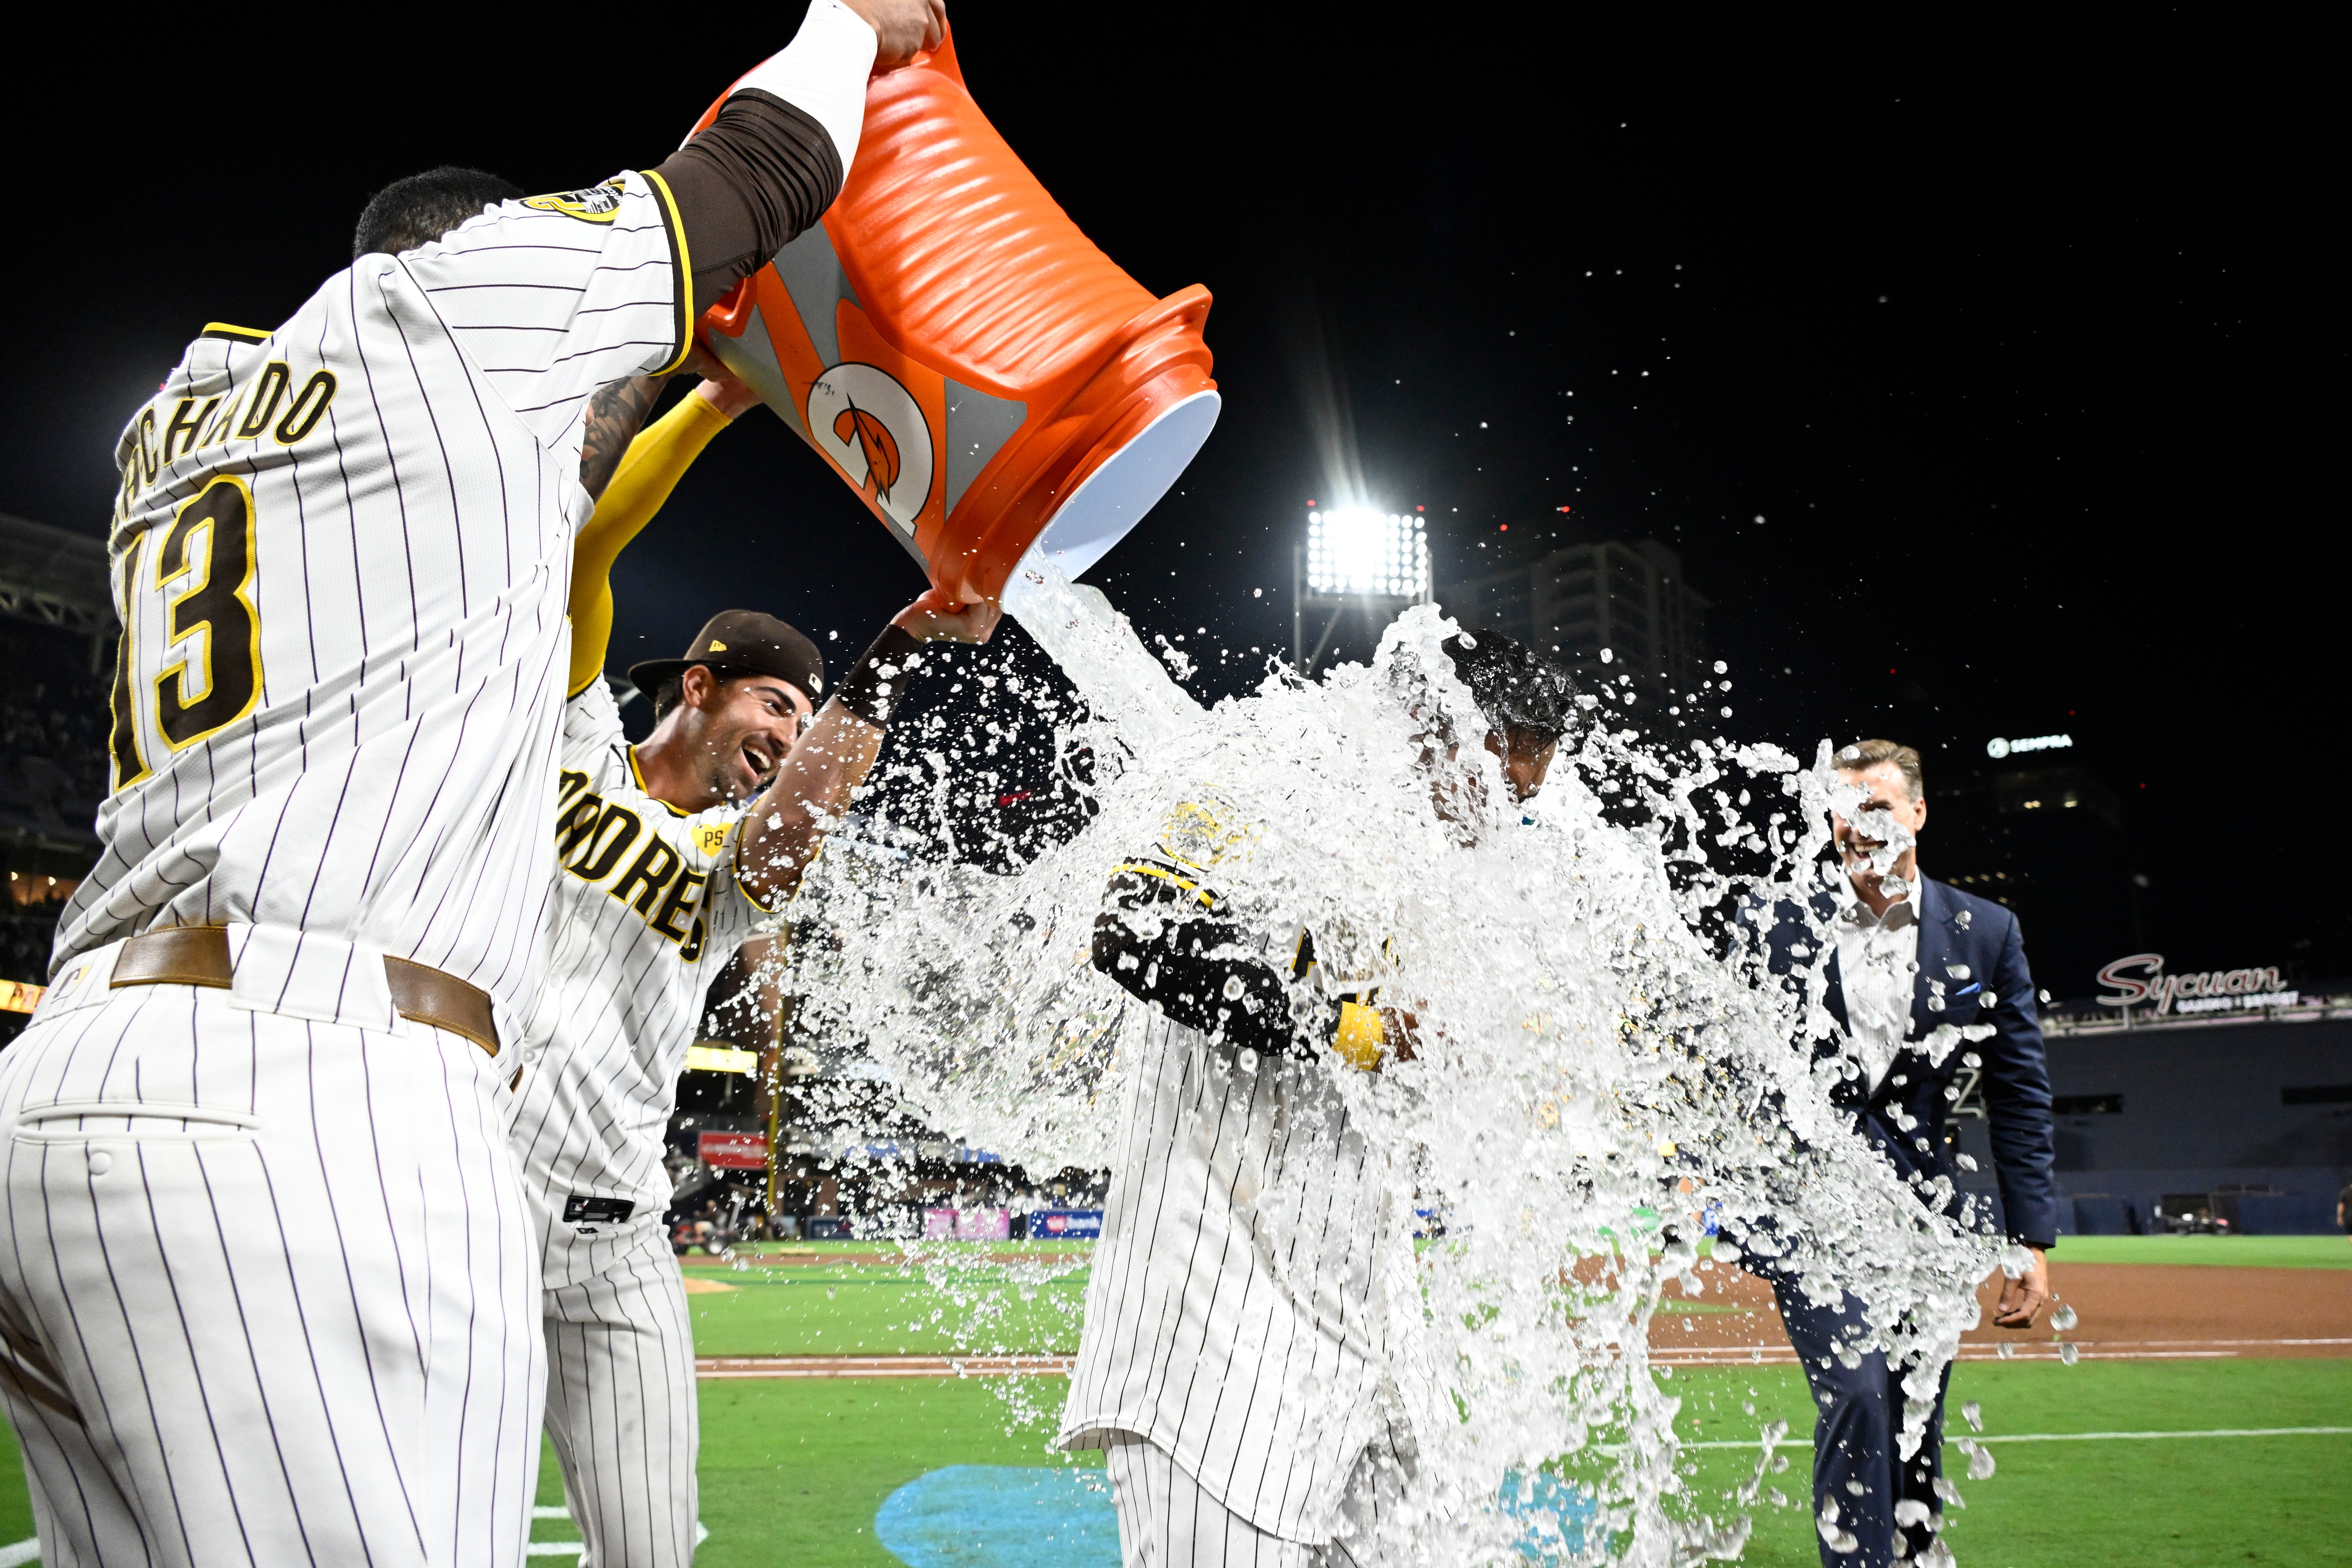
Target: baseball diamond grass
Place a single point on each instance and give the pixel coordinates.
(793, 1470)
(2188, 1503)
(2224, 1251)
(885, 1308)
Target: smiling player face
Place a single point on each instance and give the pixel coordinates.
(739, 731)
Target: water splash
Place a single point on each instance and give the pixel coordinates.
(1603, 1065)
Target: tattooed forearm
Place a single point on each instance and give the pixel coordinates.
(614, 413)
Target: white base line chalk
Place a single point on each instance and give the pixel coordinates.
(2096, 1436)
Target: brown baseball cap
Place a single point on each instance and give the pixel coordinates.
(743, 642)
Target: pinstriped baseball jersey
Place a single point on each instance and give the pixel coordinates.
(340, 553)
(645, 910)
(1233, 1314)
(622, 1407)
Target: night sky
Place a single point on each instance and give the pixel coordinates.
(1975, 373)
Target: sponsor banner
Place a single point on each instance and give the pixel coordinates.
(2001, 746)
(733, 1150)
(983, 1225)
(1064, 1224)
(2139, 981)
(20, 996)
(939, 1225)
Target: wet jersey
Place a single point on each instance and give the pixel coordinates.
(644, 913)
(340, 553)
(1235, 1307)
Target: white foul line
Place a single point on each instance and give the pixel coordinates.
(2100, 1437)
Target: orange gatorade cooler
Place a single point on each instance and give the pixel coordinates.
(970, 363)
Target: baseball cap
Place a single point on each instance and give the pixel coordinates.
(743, 642)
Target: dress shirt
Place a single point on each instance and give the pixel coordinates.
(1878, 959)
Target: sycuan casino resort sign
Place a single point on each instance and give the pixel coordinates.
(2212, 991)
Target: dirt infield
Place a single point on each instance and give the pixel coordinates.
(2124, 1311)
(723, 1367)
(2135, 1310)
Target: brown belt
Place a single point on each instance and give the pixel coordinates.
(198, 955)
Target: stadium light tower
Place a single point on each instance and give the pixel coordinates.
(1360, 558)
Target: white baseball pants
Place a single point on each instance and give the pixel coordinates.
(1167, 1521)
(268, 1289)
(621, 1408)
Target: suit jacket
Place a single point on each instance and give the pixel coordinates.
(1957, 932)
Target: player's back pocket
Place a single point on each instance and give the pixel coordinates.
(132, 1120)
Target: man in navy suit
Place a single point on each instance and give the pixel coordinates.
(1911, 954)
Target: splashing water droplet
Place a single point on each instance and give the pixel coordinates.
(2063, 1319)
(1583, 1044)
(1973, 1413)
(2068, 1353)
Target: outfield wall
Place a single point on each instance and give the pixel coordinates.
(2188, 1108)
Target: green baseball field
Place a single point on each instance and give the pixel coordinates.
(854, 1412)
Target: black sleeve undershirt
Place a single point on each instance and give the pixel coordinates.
(1185, 969)
(761, 173)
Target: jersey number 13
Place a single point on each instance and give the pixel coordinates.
(190, 657)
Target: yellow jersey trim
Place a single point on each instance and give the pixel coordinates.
(735, 875)
(638, 776)
(683, 261)
(233, 334)
(1145, 868)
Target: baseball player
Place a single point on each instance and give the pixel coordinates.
(663, 873)
(269, 1286)
(1233, 1361)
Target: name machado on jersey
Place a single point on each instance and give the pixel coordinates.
(340, 552)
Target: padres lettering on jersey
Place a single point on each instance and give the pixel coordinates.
(644, 911)
(340, 555)
(594, 835)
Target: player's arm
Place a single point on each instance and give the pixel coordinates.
(815, 783)
(749, 1009)
(1163, 937)
(555, 297)
(771, 162)
(641, 481)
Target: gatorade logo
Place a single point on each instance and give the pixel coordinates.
(870, 425)
(873, 438)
